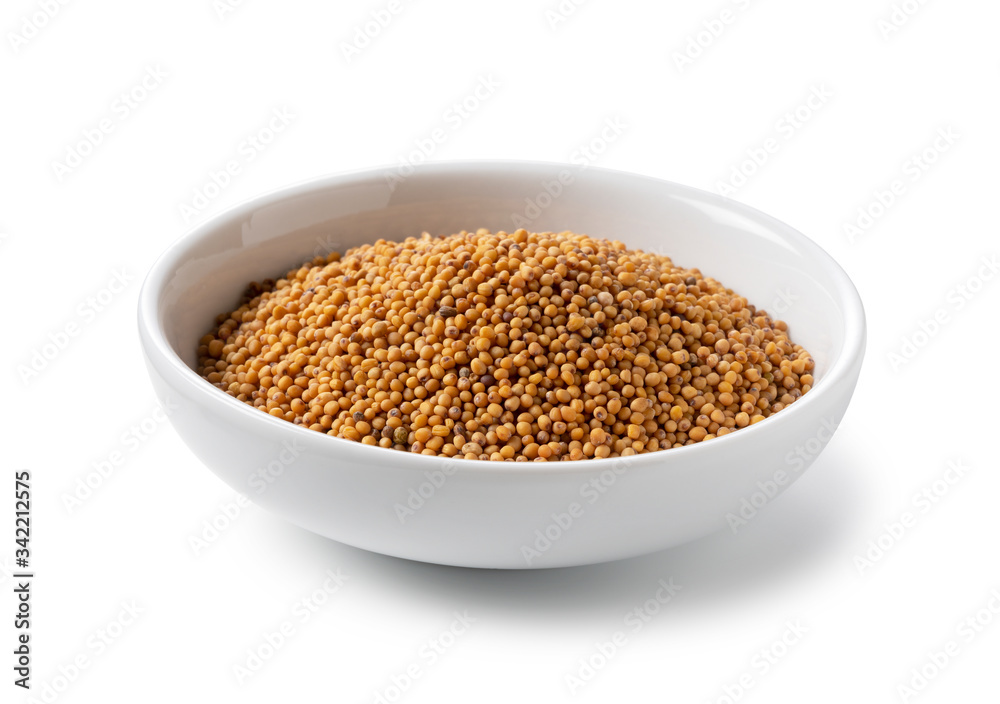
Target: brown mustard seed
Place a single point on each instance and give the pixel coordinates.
(507, 346)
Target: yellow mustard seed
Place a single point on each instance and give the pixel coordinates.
(518, 346)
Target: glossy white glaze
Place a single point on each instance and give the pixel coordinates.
(486, 514)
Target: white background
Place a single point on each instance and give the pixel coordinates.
(889, 89)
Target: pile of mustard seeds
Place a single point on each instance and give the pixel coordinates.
(507, 346)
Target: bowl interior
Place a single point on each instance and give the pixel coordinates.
(770, 264)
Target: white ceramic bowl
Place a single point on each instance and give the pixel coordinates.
(500, 514)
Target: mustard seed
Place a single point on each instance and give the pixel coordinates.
(503, 346)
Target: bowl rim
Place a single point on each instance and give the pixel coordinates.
(161, 354)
